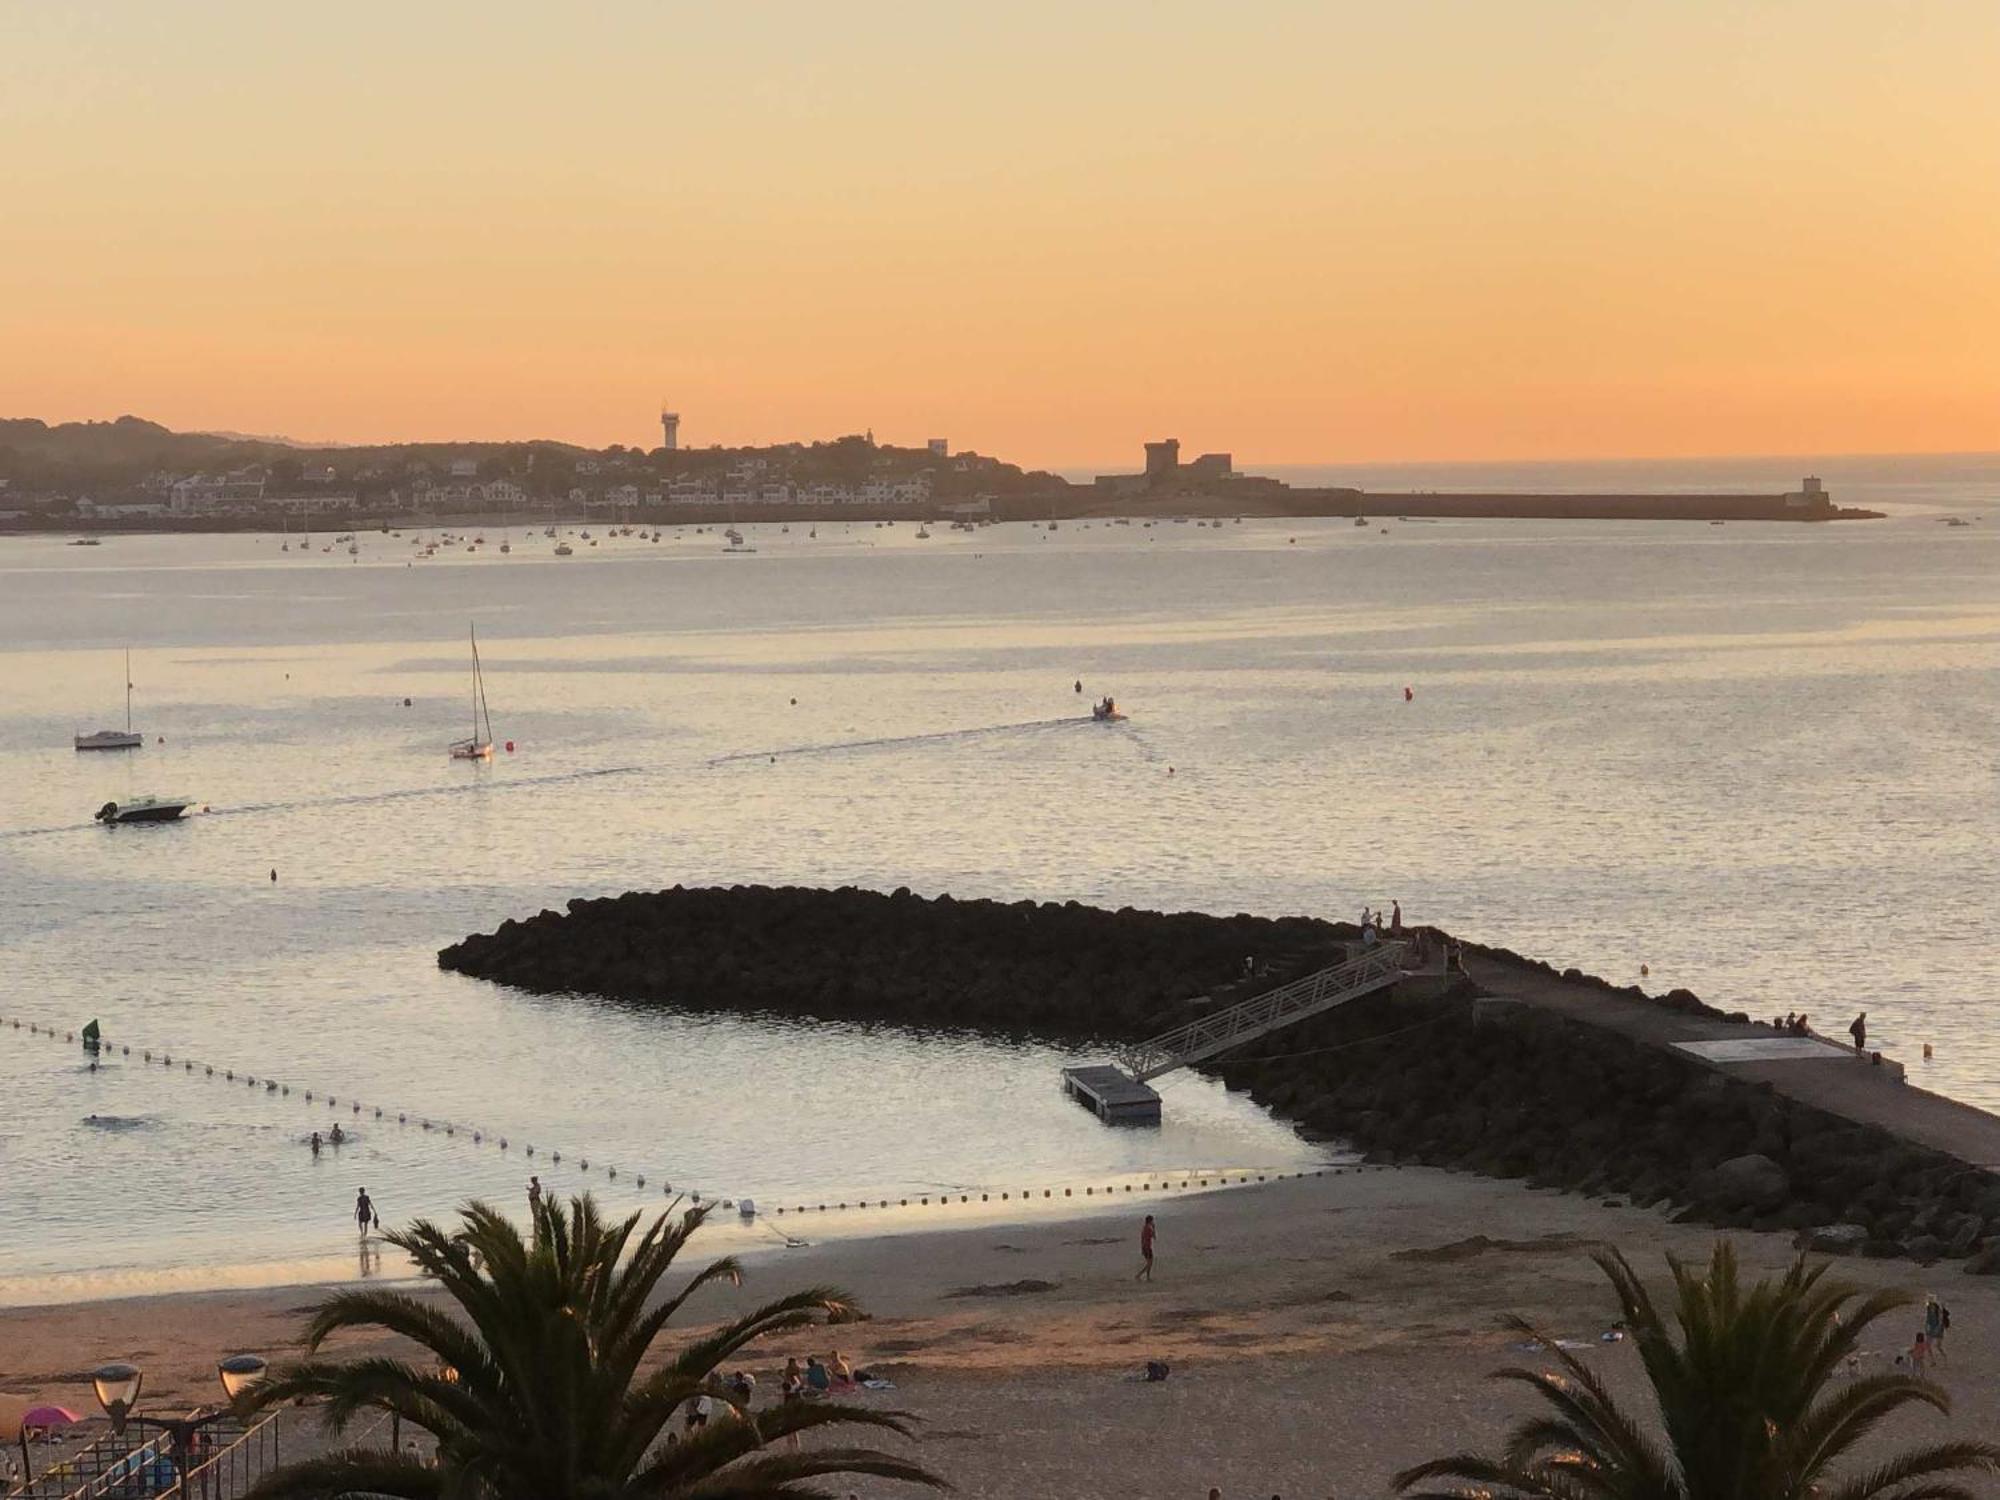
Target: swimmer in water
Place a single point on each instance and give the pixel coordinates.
(337, 1136)
(314, 1143)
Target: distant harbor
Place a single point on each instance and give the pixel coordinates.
(131, 475)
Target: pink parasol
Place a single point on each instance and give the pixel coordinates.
(48, 1416)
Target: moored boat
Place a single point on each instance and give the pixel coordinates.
(476, 746)
(115, 739)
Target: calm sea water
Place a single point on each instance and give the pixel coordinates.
(1759, 759)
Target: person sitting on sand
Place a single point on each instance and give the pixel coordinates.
(843, 1372)
(818, 1381)
(1802, 1026)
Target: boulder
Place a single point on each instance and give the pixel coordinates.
(1745, 1182)
(1985, 1263)
(1833, 1239)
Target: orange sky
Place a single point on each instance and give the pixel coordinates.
(1301, 232)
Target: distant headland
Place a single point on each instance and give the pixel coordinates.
(131, 474)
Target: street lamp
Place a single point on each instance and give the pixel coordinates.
(118, 1385)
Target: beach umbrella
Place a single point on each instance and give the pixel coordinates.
(49, 1416)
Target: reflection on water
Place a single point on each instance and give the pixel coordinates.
(1741, 755)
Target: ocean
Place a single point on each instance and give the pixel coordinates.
(1757, 759)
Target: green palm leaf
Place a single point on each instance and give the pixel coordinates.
(1743, 1380)
(530, 1382)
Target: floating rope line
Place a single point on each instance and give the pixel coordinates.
(949, 1195)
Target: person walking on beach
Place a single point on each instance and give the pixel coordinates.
(364, 1211)
(1859, 1031)
(1146, 1250)
(1937, 1321)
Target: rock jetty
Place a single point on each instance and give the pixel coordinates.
(1456, 1081)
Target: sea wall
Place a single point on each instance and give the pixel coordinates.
(1507, 1090)
(855, 955)
(1462, 1081)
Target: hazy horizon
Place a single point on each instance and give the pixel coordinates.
(1308, 233)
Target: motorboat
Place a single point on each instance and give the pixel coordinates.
(478, 745)
(115, 739)
(564, 549)
(86, 541)
(1106, 711)
(144, 810)
(1360, 520)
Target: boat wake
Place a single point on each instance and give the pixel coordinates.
(501, 784)
(942, 737)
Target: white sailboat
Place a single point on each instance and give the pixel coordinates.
(477, 746)
(116, 739)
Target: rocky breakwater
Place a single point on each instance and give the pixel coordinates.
(1510, 1091)
(1462, 1082)
(854, 955)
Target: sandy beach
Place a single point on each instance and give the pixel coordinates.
(1322, 1333)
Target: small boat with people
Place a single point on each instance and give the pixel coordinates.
(1105, 711)
(564, 549)
(144, 810)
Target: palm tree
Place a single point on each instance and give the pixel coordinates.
(532, 1387)
(1747, 1398)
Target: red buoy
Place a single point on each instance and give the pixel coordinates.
(1408, 694)
(510, 747)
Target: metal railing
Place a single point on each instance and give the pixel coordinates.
(228, 1472)
(1377, 968)
(114, 1467)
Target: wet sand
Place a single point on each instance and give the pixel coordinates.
(1322, 1333)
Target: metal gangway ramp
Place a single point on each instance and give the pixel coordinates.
(1376, 969)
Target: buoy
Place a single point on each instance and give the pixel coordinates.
(1645, 970)
(510, 747)
(1408, 694)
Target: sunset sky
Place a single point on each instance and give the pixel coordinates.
(1302, 232)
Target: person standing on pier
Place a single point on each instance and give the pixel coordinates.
(1146, 1250)
(1859, 1031)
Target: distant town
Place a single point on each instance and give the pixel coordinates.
(131, 474)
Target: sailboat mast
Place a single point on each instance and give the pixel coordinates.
(128, 689)
(473, 631)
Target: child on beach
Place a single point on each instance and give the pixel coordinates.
(1920, 1356)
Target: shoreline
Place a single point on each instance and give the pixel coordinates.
(771, 1231)
(1321, 1332)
